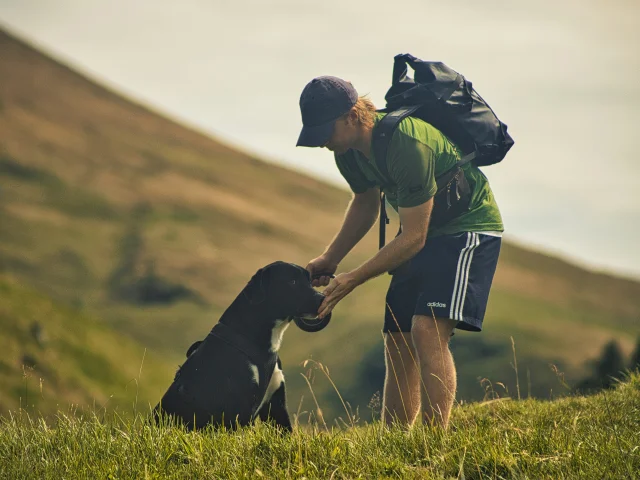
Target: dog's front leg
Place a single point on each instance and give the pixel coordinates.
(276, 408)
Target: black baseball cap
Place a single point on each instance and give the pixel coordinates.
(322, 102)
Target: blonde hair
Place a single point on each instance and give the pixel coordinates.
(365, 111)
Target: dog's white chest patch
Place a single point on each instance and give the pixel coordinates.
(255, 373)
(276, 334)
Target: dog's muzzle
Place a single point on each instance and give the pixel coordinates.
(310, 322)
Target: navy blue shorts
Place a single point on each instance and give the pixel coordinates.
(449, 278)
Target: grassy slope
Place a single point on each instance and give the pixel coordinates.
(77, 161)
(586, 438)
(77, 360)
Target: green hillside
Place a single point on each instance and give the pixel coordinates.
(54, 356)
(153, 228)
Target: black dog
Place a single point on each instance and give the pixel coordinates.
(235, 375)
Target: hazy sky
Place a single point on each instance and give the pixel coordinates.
(562, 74)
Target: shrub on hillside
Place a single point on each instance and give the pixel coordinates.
(129, 284)
(605, 371)
(634, 364)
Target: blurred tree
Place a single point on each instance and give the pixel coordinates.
(635, 357)
(136, 281)
(151, 288)
(131, 247)
(605, 370)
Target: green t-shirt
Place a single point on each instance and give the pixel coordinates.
(418, 152)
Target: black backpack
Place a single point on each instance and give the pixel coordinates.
(445, 99)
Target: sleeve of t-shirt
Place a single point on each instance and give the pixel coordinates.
(411, 166)
(349, 170)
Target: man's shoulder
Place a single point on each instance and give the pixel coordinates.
(414, 135)
(417, 129)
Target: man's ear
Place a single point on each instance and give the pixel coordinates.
(351, 117)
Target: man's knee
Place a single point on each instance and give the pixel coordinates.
(430, 328)
(398, 344)
(400, 353)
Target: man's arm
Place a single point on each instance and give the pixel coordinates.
(361, 214)
(415, 223)
(411, 168)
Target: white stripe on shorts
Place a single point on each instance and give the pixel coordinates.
(462, 276)
(458, 270)
(463, 290)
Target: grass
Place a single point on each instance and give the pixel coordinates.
(579, 437)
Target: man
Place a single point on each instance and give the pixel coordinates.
(447, 269)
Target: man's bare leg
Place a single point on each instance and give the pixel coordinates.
(401, 398)
(431, 340)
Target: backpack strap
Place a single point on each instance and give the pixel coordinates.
(352, 164)
(445, 176)
(466, 159)
(381, 139)
(384, 220)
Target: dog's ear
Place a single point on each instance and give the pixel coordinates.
(256, 289)
(193, 348)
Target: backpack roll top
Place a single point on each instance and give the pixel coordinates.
(447, 100)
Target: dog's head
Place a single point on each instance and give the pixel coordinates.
(285, 290)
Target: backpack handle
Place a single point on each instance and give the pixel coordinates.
(400, 63)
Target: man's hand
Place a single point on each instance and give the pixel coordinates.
(339, 288)
(322, 264)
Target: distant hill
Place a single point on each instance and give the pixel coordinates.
(54, 356)
(154, 228)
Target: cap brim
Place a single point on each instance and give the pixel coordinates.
(316, 136)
